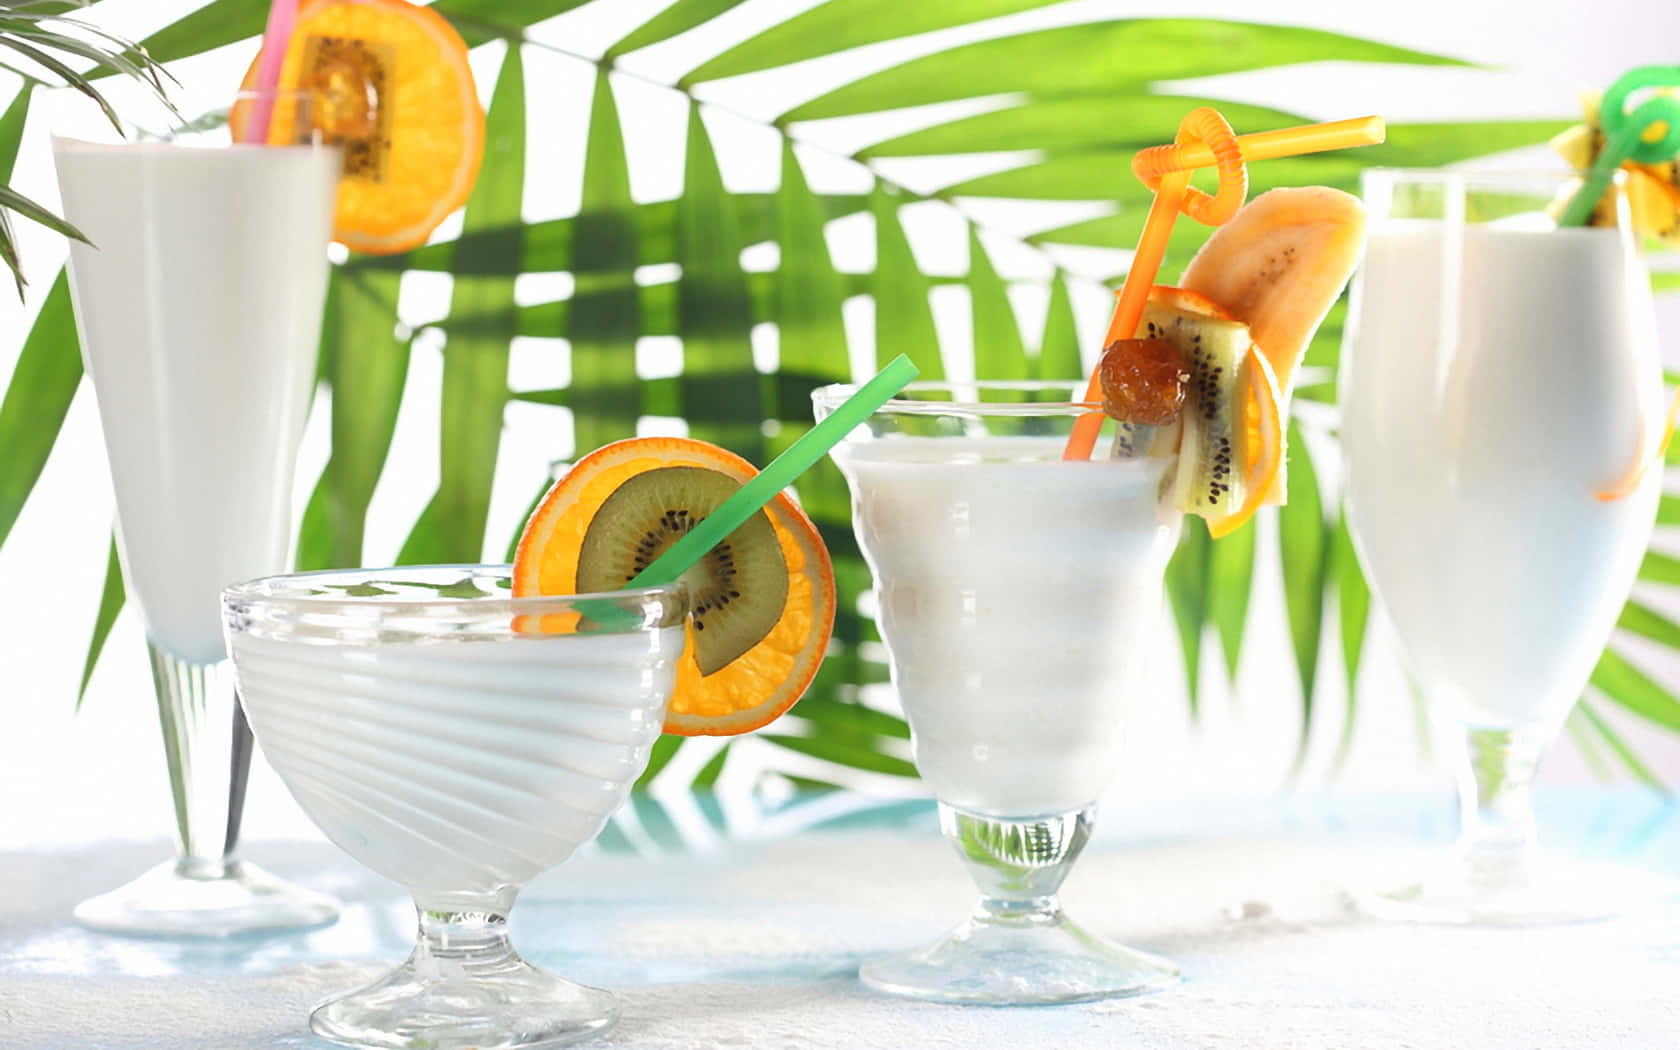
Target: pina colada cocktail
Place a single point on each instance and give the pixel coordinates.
(1012, 661)
(199, 308)
(435, 729)
(1501, 392)
(975, 575)
(1018, 568)
(1478, 428)
(462, 729)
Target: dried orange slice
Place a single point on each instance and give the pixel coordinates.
(394, 89)
(735, 674)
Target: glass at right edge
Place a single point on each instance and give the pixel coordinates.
(1498, 374)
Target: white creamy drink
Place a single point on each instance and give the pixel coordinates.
(1017, 593)
(199, 307)
(458, 766)
(1476, 440)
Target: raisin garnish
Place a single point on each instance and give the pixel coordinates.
(1143, 381)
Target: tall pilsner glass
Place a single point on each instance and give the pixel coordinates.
(1017, 592)
(199, 306)
(1499, 375)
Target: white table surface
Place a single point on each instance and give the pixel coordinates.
(721, 940)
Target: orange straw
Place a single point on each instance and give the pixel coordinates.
(1204, 140)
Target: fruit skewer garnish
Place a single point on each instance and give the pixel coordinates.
(646, 512)
(1252, 299)
(1645, 142)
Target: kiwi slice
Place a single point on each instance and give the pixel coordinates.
(736, 592)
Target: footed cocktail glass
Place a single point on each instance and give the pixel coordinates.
(458, 741)
(1500, 387)
(198, 304)
(1017, 593)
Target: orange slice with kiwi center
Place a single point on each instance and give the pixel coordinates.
(761, 603)
(393, 88)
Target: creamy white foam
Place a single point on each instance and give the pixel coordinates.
(462, 766)
(1475, 444)
(1016, 592)
(199, 308)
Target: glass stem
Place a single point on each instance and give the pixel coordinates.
(1497, 837)
(464, 934)
(1017, 864)
(208, 749)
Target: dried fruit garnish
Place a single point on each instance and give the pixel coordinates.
(1143, 381)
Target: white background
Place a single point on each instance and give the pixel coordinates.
(69, 778)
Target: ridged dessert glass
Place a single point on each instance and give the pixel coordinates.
(1017, 593)
(458, 741)
(1499, 377)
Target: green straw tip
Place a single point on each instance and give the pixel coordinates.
(782, 471)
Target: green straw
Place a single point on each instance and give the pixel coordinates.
(1625, 135)
(799, 457)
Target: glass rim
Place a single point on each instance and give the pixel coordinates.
(134, 135)
(834, 394)
(265, 591)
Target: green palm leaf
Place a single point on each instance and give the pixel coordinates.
(680, 17)
(605, 317)
(903, 313)
(1630, 760)
(999, 352)
(44, 380)
(1230, 581)
(1096, 59)
(367, 366)
(1636, 691)
(1187, 590)
(475, 367)
(830, 28)
(723, 398)
(112, 595)
(1058, 347)
(1303, 539)
(1353, 602)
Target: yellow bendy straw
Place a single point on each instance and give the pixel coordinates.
(1204, 139)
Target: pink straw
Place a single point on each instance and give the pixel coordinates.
(281, 17)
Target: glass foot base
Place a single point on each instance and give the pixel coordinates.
(1542, 893)
(443, 1005)
(174, 900)
(1004, 964)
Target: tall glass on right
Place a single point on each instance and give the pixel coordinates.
(1500, 390)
